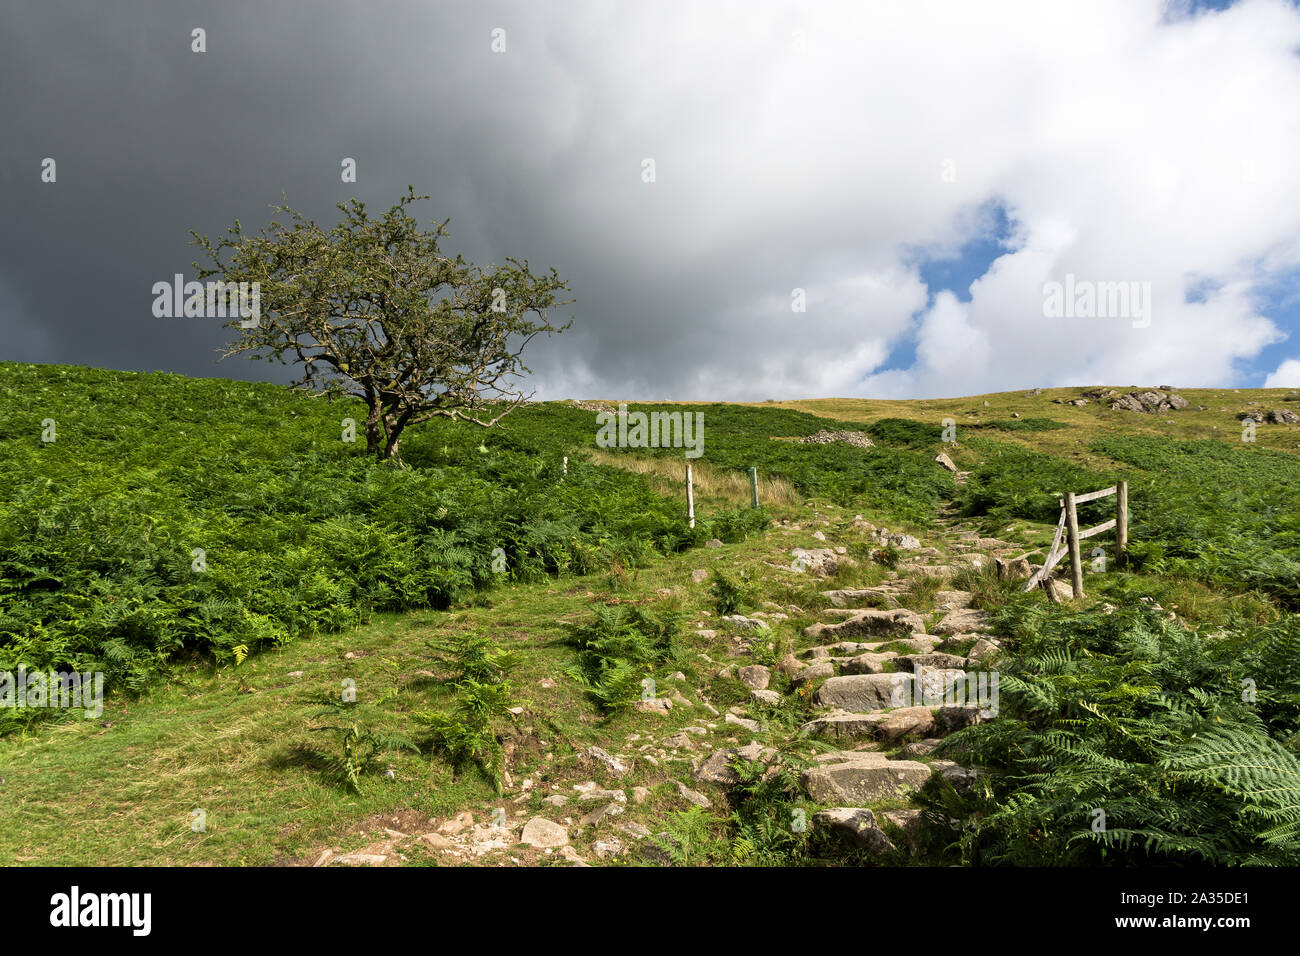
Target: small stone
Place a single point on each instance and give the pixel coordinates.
(436, 841)
(656, 705)
(594, 817)
(570, 854)
(699, 576)
(616, 795)
(541, 832)
(693, 796)
(750, 725)
(640, 795)
(613, 764)
(457, 824)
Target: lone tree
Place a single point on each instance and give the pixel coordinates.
(373, 309)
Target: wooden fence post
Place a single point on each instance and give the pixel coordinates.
(753, 484)
(1072, 526)
(690, 496)
(1121, 522)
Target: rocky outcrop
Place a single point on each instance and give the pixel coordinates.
(824, 437)
(1149, 400)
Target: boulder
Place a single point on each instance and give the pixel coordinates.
(960, 777)
(920, 748)
(945, 461)
(932, 570)
(693, 796)
(890, 726)
(952, 600)
(855, 826)
(789, 665)
(813, 672)
(608, 848)
(866, 692)
(820, 562)
(749, 623)
(852, 597)
(863, 777)
(842, 725)
(961, 621)
(909, 662)
(716, 768)
(870, 623)
(956, 716)
(867, 663)
(543, 833)
(905, 722)
(755, 676)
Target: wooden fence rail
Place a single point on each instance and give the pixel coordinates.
(1068, 528)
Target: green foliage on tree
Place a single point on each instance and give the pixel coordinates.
(373, 308)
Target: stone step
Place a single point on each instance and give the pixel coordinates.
(916, 643)
(845, 597)
(963, 621)
(866, 692)
(889, 726)
(857, 777)
(856, 826)
(870, 623)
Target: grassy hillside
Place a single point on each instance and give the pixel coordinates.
(483, 692)
(172, 516)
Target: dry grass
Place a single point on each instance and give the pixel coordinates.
(668, 476)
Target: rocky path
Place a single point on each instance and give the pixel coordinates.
(890, 688)
(890, 669)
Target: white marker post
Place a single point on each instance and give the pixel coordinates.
(690, 496)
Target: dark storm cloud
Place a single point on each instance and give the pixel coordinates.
(796, 147)
(152, 139)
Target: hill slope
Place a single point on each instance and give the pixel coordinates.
(211, 752)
